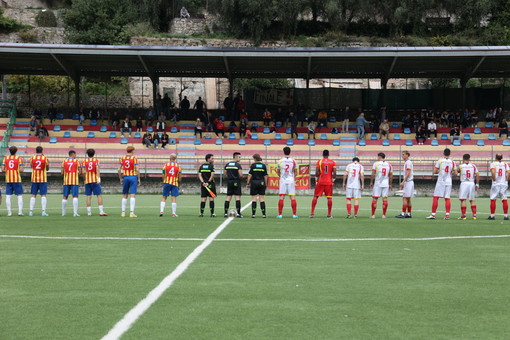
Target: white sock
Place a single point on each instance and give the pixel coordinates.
(8, 203)
(64, 206)
(174, 208)
(124, 203)
(20, 204)
(89, 210)
(43, 204)
(101, 211)
(75, 205)
(32, 204)
(162, 207)
(132, 205)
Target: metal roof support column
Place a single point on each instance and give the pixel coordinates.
(463, 83)
(382, 97)
(77, 98)
(155, 91)
(4, 87)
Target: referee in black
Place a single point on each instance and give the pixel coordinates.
(206, 178)
(234, 176)
(257, 182)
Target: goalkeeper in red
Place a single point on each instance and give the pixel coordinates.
(325, 173)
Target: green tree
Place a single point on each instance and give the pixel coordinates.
(262, 83)
(99, 22)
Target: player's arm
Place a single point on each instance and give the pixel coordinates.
(248, 180)
(137, 173)
(390, 179)
(295, 170)
(493, 174)
(372, 177)
(21, 167)
(406, 176)
(119, 171)
(362, 179)
(477, 179)
(265, 180)
(240, 172)
(436, 170)
(179, 176)
(333, 173)
(508, 175)
(344, 180)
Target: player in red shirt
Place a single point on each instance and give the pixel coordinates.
(171, 179)
(12, 166)
(325, 173)
(71, 170)
(92, 177)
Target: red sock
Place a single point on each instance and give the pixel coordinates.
(447, 205)
(293, 204)
(473, 210)
(330, 205)
(356, 207)
(280, 206)
(374, 206)
(349, 208)
(314, 203)
(384, 207)
(505, 207)
(435, 203)
(409, 208)
(404, 208)
(463, 211)
(493, 207)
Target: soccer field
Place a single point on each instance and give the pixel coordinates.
(77, 277)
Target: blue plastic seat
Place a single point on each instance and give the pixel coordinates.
(480, 142)
(506, 142)
(395, 126)
(80, 128)
(456, 142)
(103, 129)
(232, 136)
(254, 136)
(219, 141)
(266, 130)
(278, 125)
(336, 142)
(91, 135)
(60, 116)
(409, 142)
(137, 135)
(197, 141)
(174, 129)
(332, 119)
(123, 141)
(113, 134)
(173, 141)
(207, 136)
(255, 124)
(56, 128)
(311, 142)
(93, 123)
(467, 136)
(396, 136)
(67, 134)
(362, 143)
(407, 131)
(373, 136)
(489, 125)
(477, 131)
(53, 140)
(242, 142)
(290, 142)
(324, 136)
(434, 142)
(267, 142)
(300, 136)
(278, 136)
(492, 136)
(150, 129)
(444, 137)
(386, 142)
(76, 116)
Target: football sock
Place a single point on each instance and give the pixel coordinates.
(314, 203)
(349, 208)
(32, 203)
(505, 207)
(356, 207)
(435, 203)
(8, 202)
(384, 207)
(263, 207)
(330, 205)
(447, 205)
(238, 206)
(43, 204)
(211, 206)
(293, 204)
(132, 202)
(64, 206)
(374, 206)
(162, 207)
(101, 209)
(89, 210)
(493, 207)
(404, 209)
(463, 211)
(225, 206)
(75, 205)
(202, 207)
(473, 210)
(124, 203)
(174, 208)
(409, 208)
(20, 204)
(280, 206)
(253, 207)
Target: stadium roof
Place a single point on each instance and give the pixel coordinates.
(306, 63)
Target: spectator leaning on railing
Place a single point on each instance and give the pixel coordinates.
(360, 125)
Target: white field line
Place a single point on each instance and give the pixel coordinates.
(257, 239)
(130, 318)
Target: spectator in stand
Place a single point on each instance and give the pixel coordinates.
(161, 124)
(232, 126)
(158, 104)
(311, 129)
(429, 116)
(82, 118)
(242, 129)
(147, 139)
(466, 119)
(33, 124)
(444, 119)
(156, 140)
(455, 133)
(219, 127)
(346, 114)
(384, 129)
(166, 104)
(243, 117)
(451, 119)
(499, 115)
(41, 131)
(272, 127)
(184, 105)
(374, 124)
(52, 113)
(174, 115)
(38, 114)
(164, 139)
(322, 119)
(199, 107)
(228, 104)
(198, 127)
(407, 122)
(474, 118)
(139, 124)
(421, 134)
(300, 112)
(490, 117)
(266, 117)
(126, 127)
(503, 128)
(432, 129)
(309, 116)
(416, 122)
(115, 121)
(184, 13)
(293, 124)
(209, 121)
(253, 127)
(150, 116)
(360, 125)
(238, 105)
(94, 113)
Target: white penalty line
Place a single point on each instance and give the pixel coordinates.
(130, 318)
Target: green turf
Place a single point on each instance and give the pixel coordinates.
(244, 287)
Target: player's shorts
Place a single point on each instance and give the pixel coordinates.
(205, 193)
(326, 189)
(93, 188)
(380, 192)
(257, 188)
(442, 190)
(467, 191)
(408, 189)
(129, 185)
(73, 190)
(41, 188)
(234, 188)
(170, 190)
(287, 188)
(499, 191)
(13, 188)
(352, 193)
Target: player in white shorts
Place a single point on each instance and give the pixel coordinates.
(444, 167)
(380, 181)
(467, 191)
(500, 172)
(407, 185)
(354, 177)
(287, 170)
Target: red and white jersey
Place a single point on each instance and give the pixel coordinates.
(467, 172)
(408, 165)
(445, 167)
(501, 169)
(354, 172)
(287, 166)
(382, 170)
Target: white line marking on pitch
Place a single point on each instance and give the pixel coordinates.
(130, 318)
